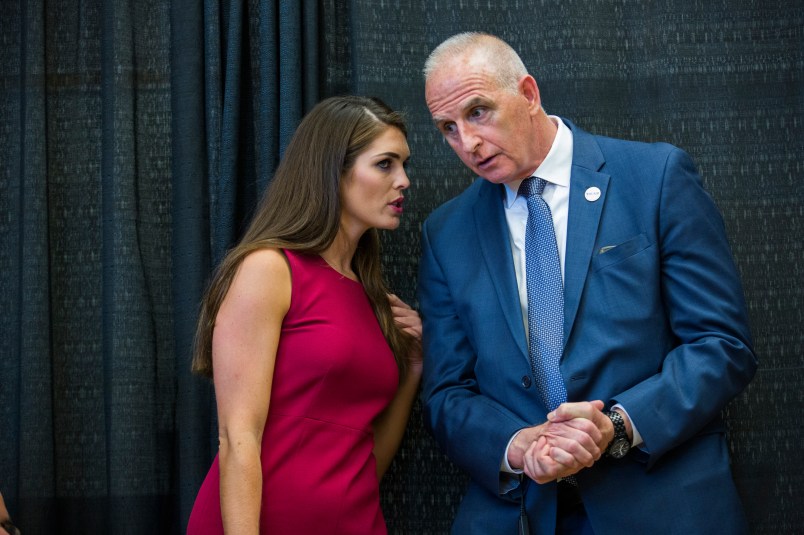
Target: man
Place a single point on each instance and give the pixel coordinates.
(623, 320)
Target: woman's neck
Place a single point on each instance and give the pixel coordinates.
(339, 255)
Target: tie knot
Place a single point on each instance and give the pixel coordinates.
(532, 186)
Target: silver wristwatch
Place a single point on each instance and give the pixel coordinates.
(619, 446)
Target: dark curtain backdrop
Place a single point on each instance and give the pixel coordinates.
(136, 136)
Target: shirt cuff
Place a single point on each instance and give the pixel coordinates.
(504, 466)
(509, 477)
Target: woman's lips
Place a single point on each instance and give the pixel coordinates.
(397, 205)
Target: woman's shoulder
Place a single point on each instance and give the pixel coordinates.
(264, 270)
(268, 260)
(260, 290)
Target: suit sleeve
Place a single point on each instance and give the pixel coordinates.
(471, 427)
(712, 359)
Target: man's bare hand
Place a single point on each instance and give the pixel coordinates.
(591, 411)
(573, 438)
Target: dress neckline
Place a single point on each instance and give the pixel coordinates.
(342, 275)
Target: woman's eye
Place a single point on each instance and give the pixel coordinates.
(384, 164)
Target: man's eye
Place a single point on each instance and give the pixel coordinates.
(448, 128)
(477, 112)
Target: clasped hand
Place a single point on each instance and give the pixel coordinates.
(574, 437)
(410, 322)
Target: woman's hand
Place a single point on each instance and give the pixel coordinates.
(410, 322)
(406, 317)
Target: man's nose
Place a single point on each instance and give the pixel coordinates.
(470, 140)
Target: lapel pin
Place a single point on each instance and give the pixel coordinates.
(592, 194)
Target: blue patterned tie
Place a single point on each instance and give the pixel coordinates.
(545, 296)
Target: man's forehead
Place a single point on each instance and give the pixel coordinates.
(454, 95)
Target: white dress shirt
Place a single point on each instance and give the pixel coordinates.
(555, 170)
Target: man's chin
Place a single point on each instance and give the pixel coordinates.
(495, 178)
(493, 174)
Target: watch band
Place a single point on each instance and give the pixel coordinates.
(619, 446)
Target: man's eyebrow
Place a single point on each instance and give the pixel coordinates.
(438, 121)
(474, 102)
(468, 105)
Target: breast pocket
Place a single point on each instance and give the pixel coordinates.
(608, 255)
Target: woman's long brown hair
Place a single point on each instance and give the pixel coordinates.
(301, 210)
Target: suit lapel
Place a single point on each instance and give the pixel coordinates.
(492, 234)
(583, 220)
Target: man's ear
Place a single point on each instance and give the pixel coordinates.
(530, 90)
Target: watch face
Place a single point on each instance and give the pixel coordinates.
(619, 448)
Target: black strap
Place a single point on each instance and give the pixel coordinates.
(524, 525)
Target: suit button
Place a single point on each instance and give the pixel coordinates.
(526, 381)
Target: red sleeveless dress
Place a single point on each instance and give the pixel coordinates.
(334, 374)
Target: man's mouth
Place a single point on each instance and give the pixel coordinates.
(486, 161)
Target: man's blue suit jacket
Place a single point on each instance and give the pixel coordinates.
(654, 319)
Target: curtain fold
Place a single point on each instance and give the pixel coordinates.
(193, 442)
(244, 73)
(92, 388)
(27, 457)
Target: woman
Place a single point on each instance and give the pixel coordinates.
(316, 365)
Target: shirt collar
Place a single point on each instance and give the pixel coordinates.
(556, 166)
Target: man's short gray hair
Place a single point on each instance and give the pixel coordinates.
(502, 60)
